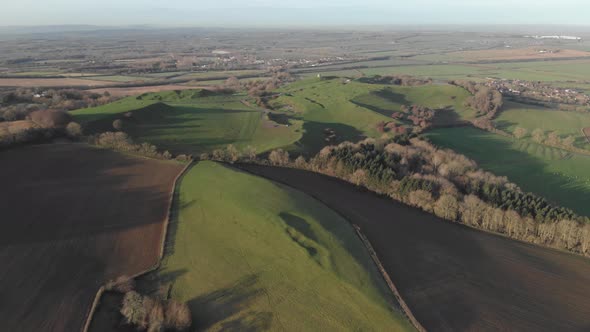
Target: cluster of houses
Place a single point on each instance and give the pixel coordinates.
(539, 91)
(556, 37)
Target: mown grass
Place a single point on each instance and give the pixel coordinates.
(558, 175)
(190, 121)
(248, 254)
(532, 117)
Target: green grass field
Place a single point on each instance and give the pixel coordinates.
(353, 109)
(390, 99)
(191, 122)
(532, 117)
(558, 175)
(562, 70)
(248, 254)
(117, 78)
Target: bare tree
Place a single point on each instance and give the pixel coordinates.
(520, 132)
(538, 135)
(279, 157)
(74, 130)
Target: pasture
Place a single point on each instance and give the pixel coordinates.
(532, 117)
(390, 99)
(565, 71)
(249, 254)
(353, 109)
(560, 176)
(454, 278)
(86, 216)
(190, 122)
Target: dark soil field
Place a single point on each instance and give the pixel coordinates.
(454, 278)
(74, 217)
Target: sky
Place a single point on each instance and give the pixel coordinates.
(293, 13)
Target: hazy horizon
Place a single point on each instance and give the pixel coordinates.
(266, 13)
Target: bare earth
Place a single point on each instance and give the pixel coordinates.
(74, 217)
(455, 278)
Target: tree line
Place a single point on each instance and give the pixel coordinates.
(439, 181)
(18, 104)
(485, 100)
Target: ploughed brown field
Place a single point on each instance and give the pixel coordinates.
(455, 278)
(74, 217)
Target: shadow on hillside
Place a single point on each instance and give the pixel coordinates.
(225, 303)
(316, 133)
(383, 94)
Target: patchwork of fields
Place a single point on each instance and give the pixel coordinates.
(455, 278)
(81, 217)
(353, 109)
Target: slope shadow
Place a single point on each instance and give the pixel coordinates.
(314, 136)
(228, 302)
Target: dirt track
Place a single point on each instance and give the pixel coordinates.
(455, 278)
(74, 217)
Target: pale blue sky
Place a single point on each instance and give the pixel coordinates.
(299, 12)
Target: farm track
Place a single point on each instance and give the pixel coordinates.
(82, 217)
(454, 278)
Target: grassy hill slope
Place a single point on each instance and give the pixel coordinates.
(250, 254)
(532, 117)
(190, 121)
(353, 109)
(558, 175)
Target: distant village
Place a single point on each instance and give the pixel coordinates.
(556, 37)
(539, 91)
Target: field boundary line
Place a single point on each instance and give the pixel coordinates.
(406, 309)
(101, 290)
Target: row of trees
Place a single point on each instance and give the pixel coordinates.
(156, 313)
(551, 138)
(41, 126)
(120, 141)
(18, 104)
(447, 184)
(486, 101)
